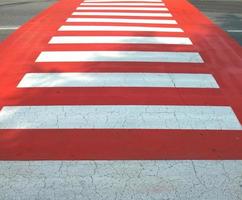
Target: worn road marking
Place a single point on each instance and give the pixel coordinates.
(119, 117)
(172, 80)
(106, 178)
(235, 31)
(119, 56)
(9, 27)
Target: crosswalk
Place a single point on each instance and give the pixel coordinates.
(120, 99)
(146, 22)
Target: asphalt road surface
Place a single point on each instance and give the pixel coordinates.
(14, 13)
(226, 14)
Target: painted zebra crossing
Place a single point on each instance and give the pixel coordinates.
(107, 47)
(114, 81)
(119, 56)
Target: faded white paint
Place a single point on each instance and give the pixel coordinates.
(121, 180)
(172, 80)
(9, 27)
(119, 117)
(235, 31)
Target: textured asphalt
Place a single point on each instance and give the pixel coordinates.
(14, 13)
(225, 13)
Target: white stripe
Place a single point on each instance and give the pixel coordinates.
(119, 28)
(122, 14)
(119, 56)
(119, 117)
(173, 80)
(121, 8)
(9, 27)
(142, 21)
(97, 1)
(123, 4)
(235, 31)
(119, 39)
(120, 180)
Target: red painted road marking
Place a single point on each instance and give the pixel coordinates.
(222, 59)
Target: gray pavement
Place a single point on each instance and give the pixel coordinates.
(14, 13)
(225, 13)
